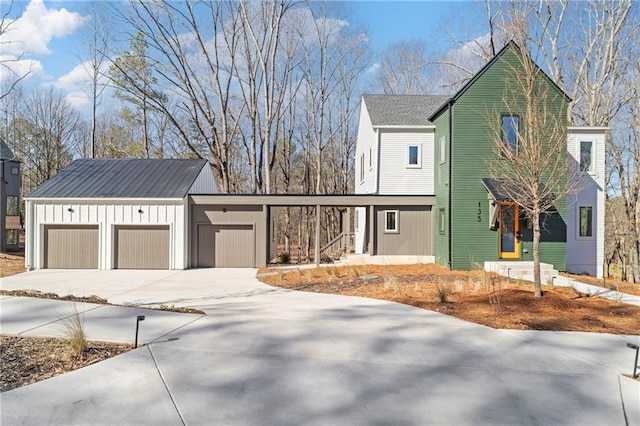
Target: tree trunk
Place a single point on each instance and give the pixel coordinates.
(536, 254)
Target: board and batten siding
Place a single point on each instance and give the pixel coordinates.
(586, 254)
(414, 235)
(395, 176)
(106, 214)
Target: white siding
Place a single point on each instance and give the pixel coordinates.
(396, 178)
(106, 214)
(366, 142)
(586, 254)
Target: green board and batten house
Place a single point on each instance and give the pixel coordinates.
(465, 208)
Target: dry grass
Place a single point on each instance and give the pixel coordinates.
(475, 296)
(11, 264)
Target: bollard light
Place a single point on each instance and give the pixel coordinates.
(635, 363)
(138, 319)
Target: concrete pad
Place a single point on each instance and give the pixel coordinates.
(127, 389)
(46, 318)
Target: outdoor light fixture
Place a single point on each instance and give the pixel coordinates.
(138, 319)
(140, 211)
(70, 209)
(635, 363)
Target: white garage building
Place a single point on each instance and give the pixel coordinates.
(115, 214)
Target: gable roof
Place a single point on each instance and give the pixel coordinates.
(122, 178)
(511, 45)
(5, 152)
(402, 110)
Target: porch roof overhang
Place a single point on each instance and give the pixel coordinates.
(502, 190)
(293, 200)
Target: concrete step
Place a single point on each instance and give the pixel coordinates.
(522, 270)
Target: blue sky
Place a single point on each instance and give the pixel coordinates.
(47, 38)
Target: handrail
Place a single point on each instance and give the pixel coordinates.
(337, 242)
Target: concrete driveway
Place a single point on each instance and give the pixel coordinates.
(269, 356)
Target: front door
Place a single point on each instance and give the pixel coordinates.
(509, 231)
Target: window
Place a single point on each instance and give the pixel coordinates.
(13, 208)
(370, 158)
(443, 150)
(586, 216)
(413, 156)
(586, 156)
(510, 129)
(362, 168)
(391, 221)
(441, 221)
(14, 170)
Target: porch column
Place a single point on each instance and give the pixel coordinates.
(372, 228)
(317, 235)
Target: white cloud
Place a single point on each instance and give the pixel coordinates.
(77, 100)
(32, 32)
(373, 68)
(12, 67)
(81, 75)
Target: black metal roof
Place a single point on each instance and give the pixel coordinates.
(506, 189)
(402, 110)
(5, 152)
(122, 178)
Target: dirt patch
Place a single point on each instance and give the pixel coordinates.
(27, 360)
(473, 296)
(11, 263)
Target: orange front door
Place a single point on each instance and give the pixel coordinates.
(509, 231)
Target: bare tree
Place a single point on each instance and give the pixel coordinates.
(7, 62)
(403, 69)
(530, 145)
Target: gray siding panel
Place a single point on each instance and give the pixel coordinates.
(414, 236)
(142, 247)
(71, 247)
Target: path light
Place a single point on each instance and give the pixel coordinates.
(635, 363)
(140, 318)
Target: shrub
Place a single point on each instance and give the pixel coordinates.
(444, 291)
(285, 257)
(74, 332)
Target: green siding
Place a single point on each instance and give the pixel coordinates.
(471, 239)
(441, 190)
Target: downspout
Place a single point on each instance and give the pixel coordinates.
(450, 107)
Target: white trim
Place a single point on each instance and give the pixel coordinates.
(382, 126)
(103, 200)
(395, 230)
(593, 230)
(587, 128)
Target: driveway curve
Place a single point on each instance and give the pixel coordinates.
(270, 356)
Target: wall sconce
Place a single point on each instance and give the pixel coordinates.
(70, 210)
(140, 211)
(224, 210)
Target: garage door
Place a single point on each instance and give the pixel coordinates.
(142, 247)
(226, 246)
(71, 247)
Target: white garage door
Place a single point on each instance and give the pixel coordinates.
(226, 246)
(142, 247)
(71, 247)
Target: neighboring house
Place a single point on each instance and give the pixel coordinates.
(9, 197)
(114, 213)
(430, 145)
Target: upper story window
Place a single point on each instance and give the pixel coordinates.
(586, 156)
(586, 221)
(443, 150)
(391, 221)
(370, 158)
(510, 130)
(362, 168)
(441, 221)
(413, 156)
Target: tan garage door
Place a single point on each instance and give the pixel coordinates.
(226, 246)
(71, 247)
(142, 247)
